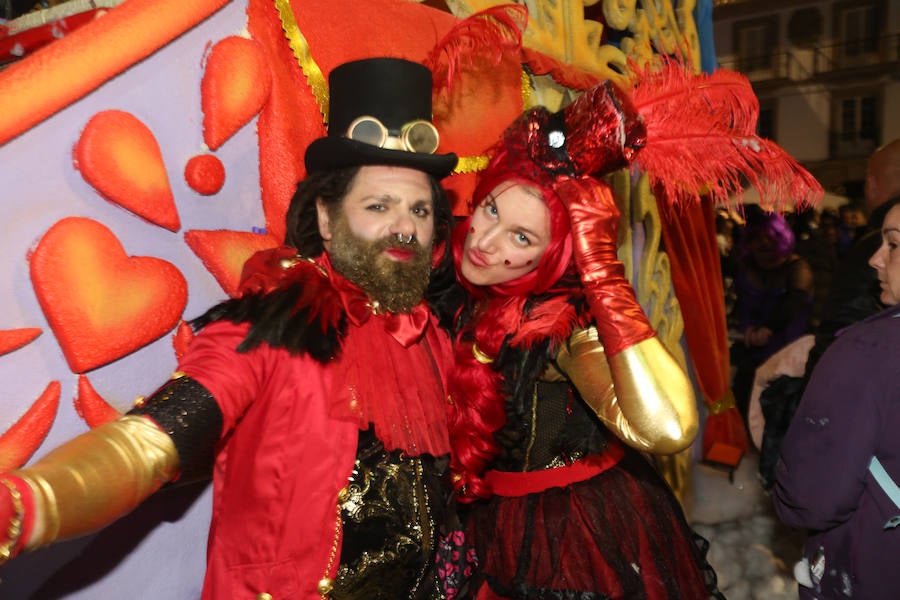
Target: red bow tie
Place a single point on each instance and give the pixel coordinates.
(407, 328)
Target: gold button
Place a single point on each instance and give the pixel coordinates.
(264, 596)
(287, 263)
(325, 586)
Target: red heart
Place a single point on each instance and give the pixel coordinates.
(119, 156)
(100, 303)
(224, 253)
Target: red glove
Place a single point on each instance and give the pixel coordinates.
(620, 320)
(16, 516)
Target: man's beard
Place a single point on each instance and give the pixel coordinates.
(397, 286)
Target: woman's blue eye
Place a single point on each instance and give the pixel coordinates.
(523, 239)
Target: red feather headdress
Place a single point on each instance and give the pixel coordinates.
(701, 138)
(691, 134)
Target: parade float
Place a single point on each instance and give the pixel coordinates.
(148, 147)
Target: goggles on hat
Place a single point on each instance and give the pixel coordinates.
(415, 136)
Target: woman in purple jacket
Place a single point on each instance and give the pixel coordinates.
(840, 458)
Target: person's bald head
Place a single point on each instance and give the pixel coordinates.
(883, 175)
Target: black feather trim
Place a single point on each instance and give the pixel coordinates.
(277, 320)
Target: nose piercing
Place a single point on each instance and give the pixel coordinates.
(405, 239)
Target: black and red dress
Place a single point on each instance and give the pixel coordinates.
(574, 512)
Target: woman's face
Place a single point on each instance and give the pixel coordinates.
(886, 260)
(508, 234)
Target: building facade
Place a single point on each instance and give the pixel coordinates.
(827, 76)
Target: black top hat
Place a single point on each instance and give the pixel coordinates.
(387, 101)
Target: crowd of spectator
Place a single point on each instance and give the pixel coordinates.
(789, 295)
(776, 271)
(820, 238)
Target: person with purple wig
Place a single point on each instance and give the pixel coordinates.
(774, 288)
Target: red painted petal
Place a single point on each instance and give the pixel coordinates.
(26, 435)
(235, 86)
(91, 407)
(183, 337)
(13, 339)
(224, 253)
(119, 156)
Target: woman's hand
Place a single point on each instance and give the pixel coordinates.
(595, 223)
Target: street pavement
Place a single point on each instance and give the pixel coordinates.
(752, 552)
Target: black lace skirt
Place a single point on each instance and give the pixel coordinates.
(619, 535)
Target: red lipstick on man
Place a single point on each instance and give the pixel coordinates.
(400, 254)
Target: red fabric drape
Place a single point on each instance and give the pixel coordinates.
(689, 233)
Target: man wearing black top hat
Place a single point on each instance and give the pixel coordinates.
(317, 397)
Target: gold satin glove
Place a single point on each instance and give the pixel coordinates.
(97, 477)
(640, 393)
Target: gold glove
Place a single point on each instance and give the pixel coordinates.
(97, 477)
(640, 393)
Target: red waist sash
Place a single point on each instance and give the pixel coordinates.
(509, 483)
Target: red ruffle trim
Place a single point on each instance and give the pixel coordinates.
(392, 369)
